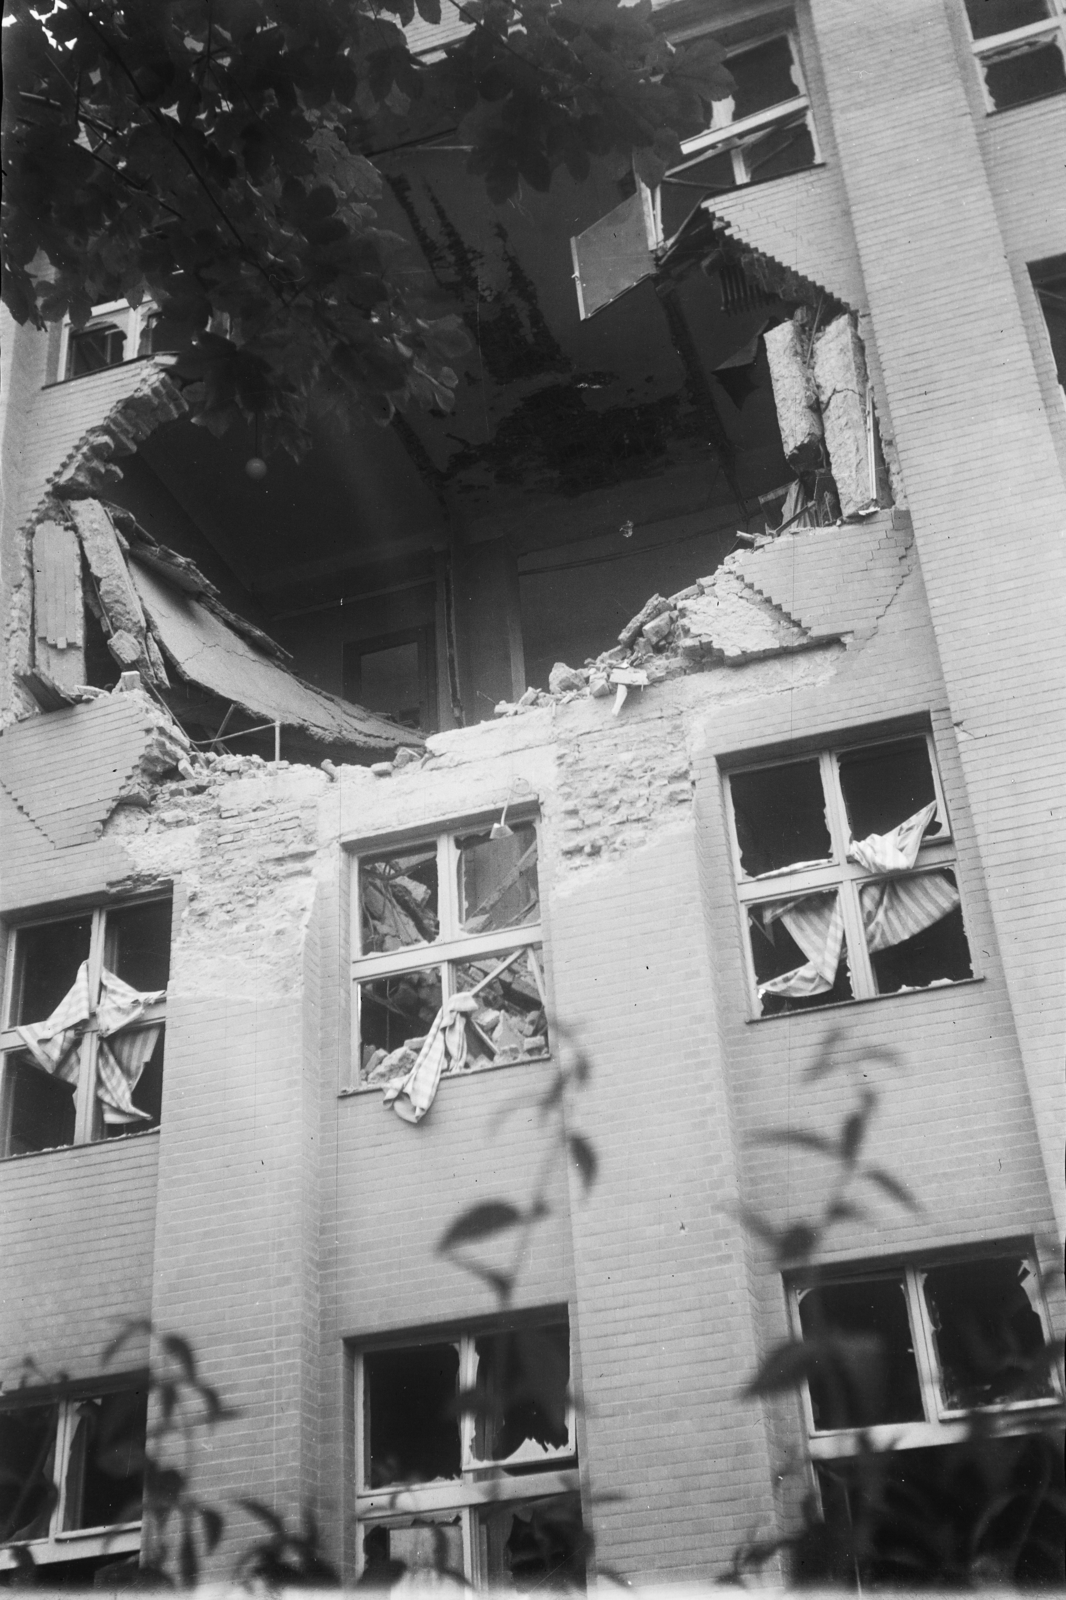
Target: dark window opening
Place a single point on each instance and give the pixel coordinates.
(981, 1514)
(780, 817)
(535, 1547)
(147, 1096)
(989, 17)
(938, 953)
(102, 671)
(1049, 280)
(763, 77)
(398, 899)
(92, 349)
(105, 1465)
(395, 1012)
(421, 1544)
(39, 1108)
(510, 1022)
(865, 1371)
(1030, 70)
(522, 1393)
(780, 151)
(498, 880)
(988, 1332)
(884, 784)
(680, 194)
(776, 954)
(138, 944)
(412, 1404)
(27, 1464)
(48, 958)
(395, 675)
(158, 334)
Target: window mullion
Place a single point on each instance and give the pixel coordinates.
(924, 1346)
(85, 1094)
(448, 886)
(468, 1364)
(65, 1424)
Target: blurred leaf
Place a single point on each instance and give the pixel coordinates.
(480, 1222)
(892, 1187)
(584, 1158)
(787, 1366)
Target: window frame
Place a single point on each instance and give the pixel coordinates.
(86, 1120)
(132, 320)
(1053, 28)
(942, 1425)
(72, 1544)
(480, 1483)
(734, 137)
(837, 873)
(452, 948)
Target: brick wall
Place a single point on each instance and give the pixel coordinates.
(982, 475)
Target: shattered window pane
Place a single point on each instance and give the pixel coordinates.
(989, 17)
(421, 1544)
(27, 1462)
(523, 1380)
(1025, 71)
(799, 953)
(395, 1014)
(1049, 280)
(498, 880)
(937, 952)
(398, 900)
(780, 817)
(147, 1097)
(138, 944)
(782, 149)
(40, 1107)
(412, 1406)
(865, 1371)
(680, 194)
(763, 76)
(511, 1022)
(534, 1546)
(988, 1332)
(884, 784)
(105, 1467)
(48, 958)
(95, 348)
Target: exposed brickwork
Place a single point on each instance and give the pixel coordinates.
(833, 580)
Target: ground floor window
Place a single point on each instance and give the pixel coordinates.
(468, 1459)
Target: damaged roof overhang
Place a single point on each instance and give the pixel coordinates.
(705, 241)
(177, 614)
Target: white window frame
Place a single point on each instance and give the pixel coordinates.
(481, 1483)
(133, 320)
(87, 1124)
(837, 873)
(942, 1425)
(1053, 30)
(735, 137)
(452, 948)
(72, 1544)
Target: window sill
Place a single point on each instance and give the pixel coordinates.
(867, 999)
(122, 1539)
(886, 1436)
(1024, 105)
(450, 1077)
(93, 1144)
(79, 377)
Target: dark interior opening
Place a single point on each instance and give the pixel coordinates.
(938, 954)
(394, 674)
(537, 1546)
(138, 944)
(27, 1455)
(398, 899)
(989, 1336)
(40, 1107)
(48, 958)
(498, 880)
(412, 1405)
(884, 784)
(865, 1372)
(147, 1096)
(775, 952)
(398, 1010)
(522, 1382)
(780, 817)
(1029, 73)
(105, 1471)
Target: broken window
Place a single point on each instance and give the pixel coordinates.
(899, 1354)
(845, 874)
(72, 1473)
(1049, 281)
(449, 936)
(1020, 48)
(116, 332)
(396, 675)
(467, 1460)
(762, 131)
(82, 1052)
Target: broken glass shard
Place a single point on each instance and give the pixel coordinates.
(398, 900)
(864, 1371)
(989, 1336)
(412, 1405)
(780, 817)
(498, 880)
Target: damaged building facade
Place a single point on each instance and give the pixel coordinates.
(574, 808)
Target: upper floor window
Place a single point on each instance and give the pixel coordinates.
(71, 1474)
(467, 1459)
(115, 333)
(1020, 47)
(1049, 281)
(447, 932)
(764, 130)
(845, 875)
(82, 1050)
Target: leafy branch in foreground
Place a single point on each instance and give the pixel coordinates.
(225, 158)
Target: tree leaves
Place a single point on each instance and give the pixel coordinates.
(187, 152)
(480, 1222)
